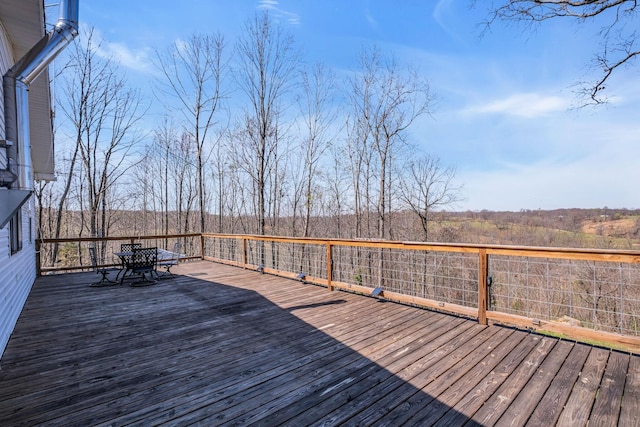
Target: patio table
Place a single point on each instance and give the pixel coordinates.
(138, 261)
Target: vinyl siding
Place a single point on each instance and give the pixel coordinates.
(17, 272)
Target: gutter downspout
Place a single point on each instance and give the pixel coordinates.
(16, 99)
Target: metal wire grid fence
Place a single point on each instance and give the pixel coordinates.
(603, 296)
(224, 249)
(76, 254)
(448, 277)
(441, 276)
(308, 259)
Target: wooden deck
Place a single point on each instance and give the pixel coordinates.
(218, 345)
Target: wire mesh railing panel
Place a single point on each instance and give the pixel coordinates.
(603, 296)
(228, 249)
(309, 259)
(441, 276)
(75, 254)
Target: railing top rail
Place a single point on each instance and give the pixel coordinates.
(586, 254)
(113, 238)
(609, 255)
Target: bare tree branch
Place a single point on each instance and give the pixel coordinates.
(617, 19)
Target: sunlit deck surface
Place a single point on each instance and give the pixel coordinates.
(219, 345)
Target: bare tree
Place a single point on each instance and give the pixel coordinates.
(166, 139)
(62, 199)
(336, 193)
(103, 113)
(193, 71)
(619, 26)
(427, 185)
(318, 114)
(183, 170)
(267, 63)
(386, 100)
(359, 153)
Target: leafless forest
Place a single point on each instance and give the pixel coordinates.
(256, 140)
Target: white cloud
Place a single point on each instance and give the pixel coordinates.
(527, 105)
(291, 17)
(268, 4)
(134, 59)
(444, 12)
(373, 23)
(137, 60)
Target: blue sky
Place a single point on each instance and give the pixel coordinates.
(504, 115)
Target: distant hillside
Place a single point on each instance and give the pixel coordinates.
(579, 228)
(594, 228)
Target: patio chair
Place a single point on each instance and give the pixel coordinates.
(169, 259)
(104, 281)
(143, 262)
(126, 247)
(126, 259)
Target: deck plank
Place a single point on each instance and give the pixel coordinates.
(578, 407)
(221, 345)
(533, 349)
(630, 411)
(320, 401)
(557, 392)
(417, 402)
(430, 414)
(419, 375)
(606, 409)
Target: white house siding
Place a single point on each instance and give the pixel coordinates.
(17, 272)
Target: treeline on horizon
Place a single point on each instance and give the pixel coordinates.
(580, 228)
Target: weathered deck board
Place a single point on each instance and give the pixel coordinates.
(218, 345)
(555, 385)
(583, 394)
(630, 411)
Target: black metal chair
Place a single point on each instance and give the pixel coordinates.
(143, 262)
(104, 281)
(127, 247)
(126, 259)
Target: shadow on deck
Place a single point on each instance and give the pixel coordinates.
(220, 345)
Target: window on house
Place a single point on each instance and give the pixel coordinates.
(15, 232)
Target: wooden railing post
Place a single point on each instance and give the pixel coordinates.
(244, 252)
(483, 273)
(38, 260)
(329, 266)
(201, 246)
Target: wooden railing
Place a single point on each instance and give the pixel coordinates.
(72, 253)
(585, 294)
